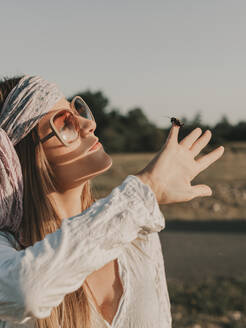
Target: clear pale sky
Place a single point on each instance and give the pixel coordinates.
(170, 57)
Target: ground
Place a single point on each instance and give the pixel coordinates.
(204, 242)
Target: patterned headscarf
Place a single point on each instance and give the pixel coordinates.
(25, 105)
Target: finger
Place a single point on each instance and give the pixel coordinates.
(206, 160)
(201, 191)
(173, 134)
(191, 138)
(201, 143)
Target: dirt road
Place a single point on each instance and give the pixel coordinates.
(201, 250)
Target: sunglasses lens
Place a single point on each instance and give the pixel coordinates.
(82, 108)
(66, 126)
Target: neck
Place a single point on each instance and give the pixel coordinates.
(67, 202)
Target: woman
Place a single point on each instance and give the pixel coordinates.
(102, 267)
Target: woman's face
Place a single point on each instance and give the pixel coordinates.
(77, 163)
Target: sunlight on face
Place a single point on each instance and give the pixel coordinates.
(84, 159)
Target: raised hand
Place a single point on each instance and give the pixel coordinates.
(171, 171)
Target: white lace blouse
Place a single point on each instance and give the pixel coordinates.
(122, 226)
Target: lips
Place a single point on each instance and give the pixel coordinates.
(95, 145)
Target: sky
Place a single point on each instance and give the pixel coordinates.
(169, 57)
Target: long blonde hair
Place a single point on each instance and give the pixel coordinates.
(40, 218)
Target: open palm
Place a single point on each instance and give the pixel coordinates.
(171, 171)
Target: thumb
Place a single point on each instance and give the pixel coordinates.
(201, 191)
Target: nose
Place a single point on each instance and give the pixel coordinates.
(86, 126)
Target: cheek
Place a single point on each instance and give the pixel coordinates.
(59, 155)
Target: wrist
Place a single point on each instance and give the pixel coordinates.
(160, 194)
(145, 178)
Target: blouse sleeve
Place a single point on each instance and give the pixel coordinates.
(36, 279)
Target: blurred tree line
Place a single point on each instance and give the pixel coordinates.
(133, 132)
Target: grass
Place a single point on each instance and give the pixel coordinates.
(226, 177)
(219, 302)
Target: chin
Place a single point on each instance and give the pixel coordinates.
(86, 168)
(95, 164)
(106, 165)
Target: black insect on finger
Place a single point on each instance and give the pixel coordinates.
(176, 121)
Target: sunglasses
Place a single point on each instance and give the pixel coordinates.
(65, 123)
